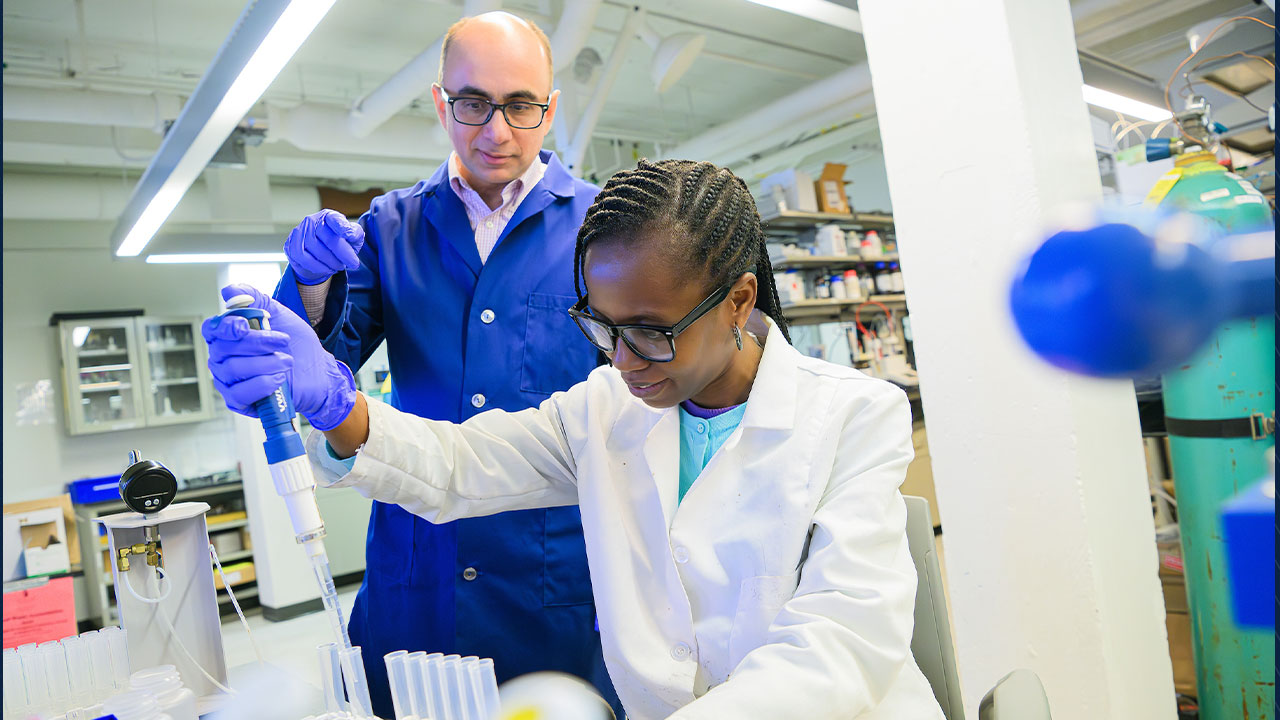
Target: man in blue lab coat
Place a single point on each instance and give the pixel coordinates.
(467, 276)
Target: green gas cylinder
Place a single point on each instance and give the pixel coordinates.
(1214, 404)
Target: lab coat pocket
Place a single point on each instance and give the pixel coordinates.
(759, 601)
(566, 579)
(553, 358)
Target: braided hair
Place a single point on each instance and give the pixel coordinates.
(710, 211)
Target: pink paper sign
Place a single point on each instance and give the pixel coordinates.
(38, 614)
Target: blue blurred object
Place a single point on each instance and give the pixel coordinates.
(1119, 301)
(1159, 149)
(1248, 526)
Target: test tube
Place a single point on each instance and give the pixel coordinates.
(356, 683)
(437, 690)
(55, 673)
(15, 690)
(104, 678)
(472, 697)
(335, 700)
(492, 705)
(117, 642)
(78, 670)
(419, 704)
(34, 677)
(452, 667)
(398, 678)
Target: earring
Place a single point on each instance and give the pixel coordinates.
(737, 336)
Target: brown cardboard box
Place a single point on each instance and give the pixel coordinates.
(1178, 624)
(62, 501)
(830, 189)
(237, 574)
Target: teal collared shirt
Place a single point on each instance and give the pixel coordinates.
(700, 438)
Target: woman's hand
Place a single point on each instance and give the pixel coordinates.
(247, 365)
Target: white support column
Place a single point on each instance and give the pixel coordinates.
(1051, 558)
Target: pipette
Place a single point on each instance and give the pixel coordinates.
(291, 473)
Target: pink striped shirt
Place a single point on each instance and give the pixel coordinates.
(487, 223)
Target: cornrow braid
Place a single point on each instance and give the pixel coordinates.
(709, 209)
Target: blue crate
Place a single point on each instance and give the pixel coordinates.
(89, 491)
(1248, 524)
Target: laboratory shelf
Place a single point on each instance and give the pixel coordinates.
(106, 368)
(792, 220)
(236, 556)
(807, 312)
(102, 353)
(813, 262)
(229, 525)
(176, 381)
(104, 387)
(152, 347)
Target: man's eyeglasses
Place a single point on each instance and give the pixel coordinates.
(520, 114)
(655, 343)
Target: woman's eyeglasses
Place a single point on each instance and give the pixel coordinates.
(655, 343)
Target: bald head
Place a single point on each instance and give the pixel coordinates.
(497, 30)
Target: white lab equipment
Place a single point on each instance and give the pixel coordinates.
(165, 684)
(871, 245)
(830, 240)
(134, 705)
(441, 687)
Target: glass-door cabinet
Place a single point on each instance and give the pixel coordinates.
(100, 364)
(174, 372)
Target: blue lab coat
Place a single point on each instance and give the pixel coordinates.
(464, 337)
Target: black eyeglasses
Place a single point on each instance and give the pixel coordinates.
(655, 343)
(520, 114)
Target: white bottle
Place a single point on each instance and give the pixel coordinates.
(837, 287)
(871, 245)
(134, 705)
(164, 682)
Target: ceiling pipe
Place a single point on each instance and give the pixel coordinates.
(576, 21)
(573, 155)
(813, 106)
(324, 129)
(90, 107)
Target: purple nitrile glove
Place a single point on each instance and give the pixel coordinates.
(323, 244)
(247, 365)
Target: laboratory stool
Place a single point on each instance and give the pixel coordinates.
(1019, 695)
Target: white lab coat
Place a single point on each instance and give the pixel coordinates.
(781, 587)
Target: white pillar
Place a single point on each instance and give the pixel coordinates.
(1051, 558)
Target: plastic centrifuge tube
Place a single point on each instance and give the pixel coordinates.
(104, 678)
(117, 642)
(15, 690)
(78, 670)
(420, 692)
(472, 690)
(34, 676)
(335, 699)
(355, 681)
(55, 673)
(452, 667)
(438, 689)
(491, 702)
(398, 678)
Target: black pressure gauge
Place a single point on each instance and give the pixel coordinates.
(146, 486)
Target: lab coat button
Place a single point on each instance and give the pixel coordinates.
(487, 316)
(681, 651)
(702, 427)
(681, 554)
(489, 224)
(469, 574)
(477, 400)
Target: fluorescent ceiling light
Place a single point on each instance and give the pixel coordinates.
(822, 11)
(217, 258)
(1124, 105)
(288, 29)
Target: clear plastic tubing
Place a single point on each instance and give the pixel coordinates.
(79, 669)
(55, 673)
(438, 688)
(104, 677)
(328, 592)
(492, 705)
(398, 678)
(164, 682)
(15, 689)
(335, 700)
(356, 683)
(34, 677)
(472, 689)
(118, 644)
(452, 667)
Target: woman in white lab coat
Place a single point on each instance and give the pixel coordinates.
(744, 529)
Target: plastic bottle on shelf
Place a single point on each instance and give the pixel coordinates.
(794, 286)
(871, 246)
(852, 285)
(164, 682)
(837, 287)
(822, 288)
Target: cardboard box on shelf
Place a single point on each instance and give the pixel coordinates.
(62, 502)
(797, 189)
(830, 189)
(42, 536)
(237, 574)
